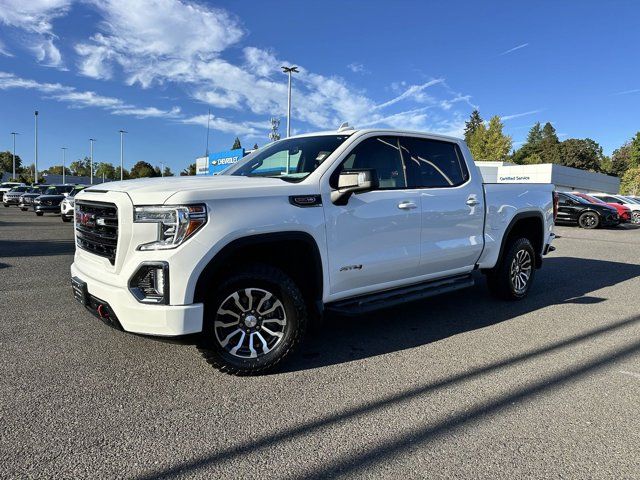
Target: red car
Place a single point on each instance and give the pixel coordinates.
(624, 213)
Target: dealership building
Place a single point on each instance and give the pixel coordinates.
(565, 179)
(217, 162)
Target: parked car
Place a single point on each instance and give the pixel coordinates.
(6, 186)
(67, 205)
(578, 211)
(624, 213)
(347, 221)
(12, 197)
(50, 200)
(620, 200)
(26, 199)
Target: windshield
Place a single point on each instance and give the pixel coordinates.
(8, 184)
(292, 159)
(630, 200)
(576, 198)
(19, 189)
(51, 191)
(75, 191)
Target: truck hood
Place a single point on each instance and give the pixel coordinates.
(149, 191)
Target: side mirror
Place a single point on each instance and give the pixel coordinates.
(354, 181)
(66, 194)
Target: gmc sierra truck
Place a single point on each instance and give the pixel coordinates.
(346, 221)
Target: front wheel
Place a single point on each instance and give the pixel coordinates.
(39, 214)
(589, 220)
(635, 218)
(255, 319)
(65, 219)
(512, 278)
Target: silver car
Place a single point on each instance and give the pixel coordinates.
(12, 197)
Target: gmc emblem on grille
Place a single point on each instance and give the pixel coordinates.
(86, 219)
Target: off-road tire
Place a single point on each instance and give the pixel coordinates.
(280, 285)
(499, 279)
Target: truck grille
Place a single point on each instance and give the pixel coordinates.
(97, 228)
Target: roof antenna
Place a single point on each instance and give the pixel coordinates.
(344, 127)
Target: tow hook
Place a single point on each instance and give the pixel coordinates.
(102, 313)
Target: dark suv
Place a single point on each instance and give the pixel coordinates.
(26, 199)
(50, 200)
(575, 210)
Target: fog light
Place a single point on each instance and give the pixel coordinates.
(150, 283)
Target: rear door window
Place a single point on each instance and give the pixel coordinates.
(433, 163)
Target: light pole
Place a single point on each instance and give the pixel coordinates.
(289, 70)
(122, 132)
(64, 161)
(162, 169)
(91, 140)
(35, 166)
(14, 153)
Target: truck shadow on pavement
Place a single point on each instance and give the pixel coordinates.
(36, 248)
(359, 462)
(561, 280)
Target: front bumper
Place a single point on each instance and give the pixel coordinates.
(11, 200)
(46, 208)
(136, 317)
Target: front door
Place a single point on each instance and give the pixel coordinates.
(375, 238)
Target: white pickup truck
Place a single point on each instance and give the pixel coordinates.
(345, 221)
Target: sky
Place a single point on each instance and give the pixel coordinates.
(155, 67)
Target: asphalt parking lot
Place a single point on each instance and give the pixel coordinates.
(461, 386)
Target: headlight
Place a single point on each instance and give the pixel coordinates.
(175, 223)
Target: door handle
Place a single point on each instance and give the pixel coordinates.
(407, 205)
(472, 201)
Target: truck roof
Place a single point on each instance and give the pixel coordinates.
(381, 131)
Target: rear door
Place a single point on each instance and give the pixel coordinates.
(452, 204)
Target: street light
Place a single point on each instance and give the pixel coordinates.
(14, 153)
(91, 140)
(64, 161)
(289, 71)
(122, 132)
(35, 166)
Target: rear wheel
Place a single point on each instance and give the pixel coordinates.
(512, 278)
(256, 318)
(589, 220)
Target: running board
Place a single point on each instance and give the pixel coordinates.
(390, 298)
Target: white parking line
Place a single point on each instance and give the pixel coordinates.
(633, 374)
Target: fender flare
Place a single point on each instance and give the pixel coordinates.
(516, 218)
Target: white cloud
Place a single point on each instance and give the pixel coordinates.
(226, 126)
(514, 49)
(518, 115)
(356, 67)
(415, 92)
(35, 17)
(3, 50)
(627, 92)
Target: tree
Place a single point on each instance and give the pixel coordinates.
(6, 162)
(236, 144)
(620, 160)
(497, 145)
(630, 182)
(634, 151)
(190, 170)
(533, 159)
(549, 145)
(57, 170)
(477, 141)
(167, 172)
(80, 167)
(471, 125)
(142, 169)
(255, 146)
(533, 146)
(107, 171)
(584, 154)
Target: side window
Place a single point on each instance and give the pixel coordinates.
(562, 200)
(433, 163)
(381, 154)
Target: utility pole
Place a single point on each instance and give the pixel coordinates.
(14, 153)
(289, 71)
(91, 140)
(206, 150)
(35, 167)
(122, 132)
(64, 161)
(162, 169)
